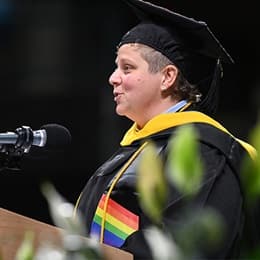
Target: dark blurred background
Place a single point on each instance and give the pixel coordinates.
(55, 60)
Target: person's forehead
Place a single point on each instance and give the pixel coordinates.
(128, 50)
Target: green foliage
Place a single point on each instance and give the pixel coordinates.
(26, 251)
(184, 165)
(151, 183)
(253, 254)
(62, 212)
(200, 230)
(184, 169)
(162, 244)
(74, 245)
(250, 174)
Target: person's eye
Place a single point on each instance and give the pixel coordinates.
(127, 68)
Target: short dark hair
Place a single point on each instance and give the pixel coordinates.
(157, 61)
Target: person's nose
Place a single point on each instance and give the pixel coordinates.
(115, 78)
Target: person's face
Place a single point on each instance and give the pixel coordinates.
(136, 90)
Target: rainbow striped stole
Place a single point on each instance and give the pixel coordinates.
(119, 223)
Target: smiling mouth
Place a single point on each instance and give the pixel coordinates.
(117, 96)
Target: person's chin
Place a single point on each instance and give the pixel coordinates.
(120, 111)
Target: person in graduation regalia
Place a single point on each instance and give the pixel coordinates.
(168, 73)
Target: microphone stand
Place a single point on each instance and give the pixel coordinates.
(11, 154)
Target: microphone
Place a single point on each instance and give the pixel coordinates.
(51, 136)
(13, 145)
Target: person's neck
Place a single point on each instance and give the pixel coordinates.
(146, 117)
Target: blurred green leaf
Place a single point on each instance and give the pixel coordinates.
(252, 254)
(162, 244)
(49, 252)
(26, 249)
(200, 230)
(250, 174)
(74, 244)
(151, 183)
(79, 248)
(184, 165)
(62, 212)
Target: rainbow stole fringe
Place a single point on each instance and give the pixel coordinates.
(119, 223)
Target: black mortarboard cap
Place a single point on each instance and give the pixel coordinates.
(188, 43)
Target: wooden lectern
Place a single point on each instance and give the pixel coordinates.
(14, 226)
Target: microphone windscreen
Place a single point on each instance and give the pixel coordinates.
(58, 136)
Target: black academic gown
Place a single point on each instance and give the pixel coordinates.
(221, 188)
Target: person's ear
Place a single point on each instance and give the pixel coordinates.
(169, 76)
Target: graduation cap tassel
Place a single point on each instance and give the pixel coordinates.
(209, 104)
